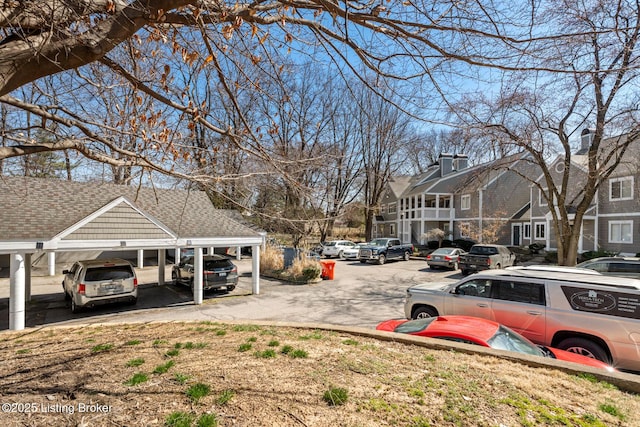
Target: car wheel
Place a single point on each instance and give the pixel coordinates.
(133, 301)
(67, 297)
(424, 312)
(341, 255)
(455, 266)
(75, 308)
(433, 267)
(363, 261)
(584, 347)
(381, 259)
(465, 272)
(498, 266)
(174, 278)
(407, 256)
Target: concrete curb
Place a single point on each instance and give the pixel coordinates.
(623, 381)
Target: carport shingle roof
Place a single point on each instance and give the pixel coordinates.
(35, 209)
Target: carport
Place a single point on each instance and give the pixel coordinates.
(43, 217)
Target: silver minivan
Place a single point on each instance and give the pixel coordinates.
(589, 314)
(100, 281)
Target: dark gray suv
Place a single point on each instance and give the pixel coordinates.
(614, 266)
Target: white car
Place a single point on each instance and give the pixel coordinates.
(351, 252)
(336, 248)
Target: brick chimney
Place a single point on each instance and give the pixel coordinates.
(460, 161)
(446, 163)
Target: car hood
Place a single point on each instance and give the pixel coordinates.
(390, 325)
(578, 358)
(431, 287)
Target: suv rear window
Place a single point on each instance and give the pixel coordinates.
(218, 263)
(116, 272)
(530, 293)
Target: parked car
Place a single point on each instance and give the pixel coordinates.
(590, 314)
(485, 257)
(217, 270)
(335, 248)
(90, 283)
(483, 332)
(614, 266)
(385, 248)
(445, 258)
(352, 252)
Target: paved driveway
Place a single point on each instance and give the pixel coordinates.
(360, 295)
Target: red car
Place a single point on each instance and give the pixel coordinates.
(474, 330)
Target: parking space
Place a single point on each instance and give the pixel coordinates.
(359, 295)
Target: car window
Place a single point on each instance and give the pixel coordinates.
(601, 267)
(624, 267)
(117, 272)
(530, 293)
(475, 288)
(217, 263)
(76, 277)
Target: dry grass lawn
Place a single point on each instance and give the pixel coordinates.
(209, 374)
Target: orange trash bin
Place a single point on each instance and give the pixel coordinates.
(327, 269)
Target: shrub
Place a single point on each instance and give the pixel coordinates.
(551, 257)
(464, 244)
(271, 259)
(336, 396)
(535, 248)
(304, 268)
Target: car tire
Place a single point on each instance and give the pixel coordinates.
(584, 347)
(67, 297)
(133, 301)
(432, 267)
(174, 278)
(363, 261)
(407, 256)
(381, 259)
(341, 255)
(465, 272)
(75, 308)
(455, 266)
(424, 312)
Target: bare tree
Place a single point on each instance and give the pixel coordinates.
(545, 113)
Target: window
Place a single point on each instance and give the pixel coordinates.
(476, 288)
(445, 202)
(530, 293)
(620, 231)
(392, 229)
(465, 202)
(526, 231)
(539, 227)
(392, 208)
(382, 208)
(621, 188)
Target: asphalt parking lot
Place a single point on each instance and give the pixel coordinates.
(360, 295)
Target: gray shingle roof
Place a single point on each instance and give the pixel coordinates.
(39, 209)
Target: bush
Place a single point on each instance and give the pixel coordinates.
(336, 396)
(271, 259)
(551, 257)
(535, 248)
(305, 269)
(464, 244)
(595, 254)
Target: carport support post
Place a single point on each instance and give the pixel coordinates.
(140, 258)
(51, 263)
(255, 269)
(16, 292)
(197, 276)
(27, 277)
(162, 261)
(239, 253)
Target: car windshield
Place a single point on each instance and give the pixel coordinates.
(483, 250)
(414, 325)
(330, 244)
(506, 339)
(442, 251)
(379, 242)
(116, 272)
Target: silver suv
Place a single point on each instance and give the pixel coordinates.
(100, 281)
(589, 314)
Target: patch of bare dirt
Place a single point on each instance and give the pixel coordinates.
(276, 376)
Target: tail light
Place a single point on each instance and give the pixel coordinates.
(135, 282)
(488, 261)
(447, 258)
(235, 270)
(81, 288)
(428, 257)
